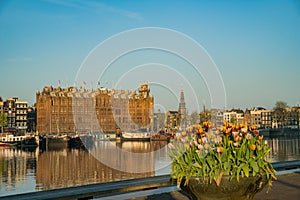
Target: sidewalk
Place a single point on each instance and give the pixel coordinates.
(285, 187)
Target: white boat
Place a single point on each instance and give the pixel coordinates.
(135, 136)
(23, 141)
(11, 139)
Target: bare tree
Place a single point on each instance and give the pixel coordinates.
(280, 105)
(279, 112)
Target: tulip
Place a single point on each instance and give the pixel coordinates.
(235, 134)
(206, 146)
(259, 148)
(238, 138)
(252, 147)
(248, 136)
(196, 143)
(200, 141)
(204, 140)
(244, 130)
(229, 142)
(200, 146)
(220, 149)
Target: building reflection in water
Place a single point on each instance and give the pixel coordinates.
(27, 171)
(107, 161)
(284, 149)
(15, 167)
(130, 157)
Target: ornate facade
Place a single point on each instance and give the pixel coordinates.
(70, 110)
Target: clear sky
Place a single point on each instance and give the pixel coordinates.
(254, 44)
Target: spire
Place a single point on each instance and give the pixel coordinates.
(182, 111)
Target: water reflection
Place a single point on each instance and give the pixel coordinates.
(284, 149)
(16, 168)
(57, 169)
(31, 170)
(131, 157)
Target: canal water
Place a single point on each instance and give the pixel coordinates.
(28, 170)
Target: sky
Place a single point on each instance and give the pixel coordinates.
(255, 46)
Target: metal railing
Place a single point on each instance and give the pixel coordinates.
(119, 187)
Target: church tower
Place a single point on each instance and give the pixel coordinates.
(182, 112)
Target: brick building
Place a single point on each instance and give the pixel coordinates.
(70, 110)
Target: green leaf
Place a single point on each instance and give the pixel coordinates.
(246, 170)
(247, 154)
(239, 169)
(197, 165)
(210, 162)
(254, 166)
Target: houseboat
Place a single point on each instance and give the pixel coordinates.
(9, 140)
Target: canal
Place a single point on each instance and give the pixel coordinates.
(27, 170)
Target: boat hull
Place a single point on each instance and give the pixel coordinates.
(29, 142)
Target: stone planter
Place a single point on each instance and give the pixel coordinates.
(246, 188)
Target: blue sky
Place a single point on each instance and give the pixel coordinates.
(255, 44)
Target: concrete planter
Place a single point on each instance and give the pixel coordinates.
(246, 188)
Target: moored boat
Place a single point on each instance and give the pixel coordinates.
(11, 140)
(135, 136)
(53, 141)
(29, 141)
(82, 141)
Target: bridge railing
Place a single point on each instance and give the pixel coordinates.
(119, 187)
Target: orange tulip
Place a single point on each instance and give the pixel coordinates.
(259, 148)
(220, 149)
(252, 147)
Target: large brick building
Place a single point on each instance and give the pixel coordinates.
(70, 110)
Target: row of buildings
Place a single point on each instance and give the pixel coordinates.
(288, 117)
(70, 110)
(262, 118)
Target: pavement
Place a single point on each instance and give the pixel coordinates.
(287, 186)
